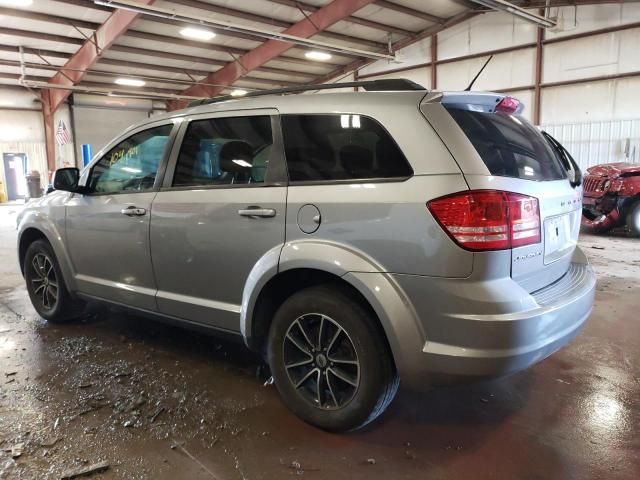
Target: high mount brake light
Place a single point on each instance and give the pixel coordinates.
(508, 105)
(481, 220)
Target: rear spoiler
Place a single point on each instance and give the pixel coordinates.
(488, 102)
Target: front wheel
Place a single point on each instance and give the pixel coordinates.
(633, 219)
(46, 287)
(330, 361)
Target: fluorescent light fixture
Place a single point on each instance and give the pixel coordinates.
(350, 121)
(317, 55)
(130, 82)
(212, 23)
(131, 170)
(242, 163)
(238, 92)
(16, 3)
(504, 6)
(197, 33)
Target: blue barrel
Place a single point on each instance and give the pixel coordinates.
(86, 154)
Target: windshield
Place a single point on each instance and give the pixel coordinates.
(509, 145)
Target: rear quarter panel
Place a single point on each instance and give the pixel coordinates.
(388, 221)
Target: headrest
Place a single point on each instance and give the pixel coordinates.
(236, 156)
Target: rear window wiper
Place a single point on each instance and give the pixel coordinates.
(570, 165)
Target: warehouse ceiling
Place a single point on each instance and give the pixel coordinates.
(38, 39)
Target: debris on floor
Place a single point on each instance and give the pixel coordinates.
(16, 450)
(50, 442)
(299, 469)
(85, 471)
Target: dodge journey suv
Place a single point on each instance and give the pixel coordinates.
(355, 240)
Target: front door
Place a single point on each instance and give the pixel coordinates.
(107, 227)
(221, 208)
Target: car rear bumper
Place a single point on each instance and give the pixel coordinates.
(499, 328)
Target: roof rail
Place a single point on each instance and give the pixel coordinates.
(389, 84)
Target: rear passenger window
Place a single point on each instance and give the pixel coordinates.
(340, 147)
(224, 151)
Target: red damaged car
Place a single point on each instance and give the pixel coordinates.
(611, 197)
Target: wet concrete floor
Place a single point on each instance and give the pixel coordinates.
(158, 402)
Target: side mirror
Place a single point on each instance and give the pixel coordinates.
(66, 179)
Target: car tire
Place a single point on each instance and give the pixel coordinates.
(633, 220)
(48, 292)
(330, 361)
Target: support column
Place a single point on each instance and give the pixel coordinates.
(434, 61)
(537, 102)
(49, 131)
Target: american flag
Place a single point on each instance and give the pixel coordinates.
(62, 134)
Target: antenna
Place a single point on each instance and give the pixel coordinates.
(478, 74)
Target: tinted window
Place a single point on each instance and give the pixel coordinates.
(509, 145)
(340, 147)
(132, 164)
(225, 151)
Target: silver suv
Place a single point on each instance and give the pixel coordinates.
(354, 239)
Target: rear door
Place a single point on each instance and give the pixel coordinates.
(221, 208)
(501, 150)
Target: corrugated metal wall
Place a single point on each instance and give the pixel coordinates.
(600, 142)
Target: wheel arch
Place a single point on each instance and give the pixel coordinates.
(276, 277)
(29, 233)
(631, 201)
(27, 237)
(284, 285)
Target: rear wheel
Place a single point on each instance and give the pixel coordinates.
(633, 219)
(46, 287)
(330, 361)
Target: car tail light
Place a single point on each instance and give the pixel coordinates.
(488, 219)
(508, 105)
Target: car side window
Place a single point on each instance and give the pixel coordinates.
(329, 147)
(225, 151)
(131, 166)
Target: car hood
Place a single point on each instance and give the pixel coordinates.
(614, 170)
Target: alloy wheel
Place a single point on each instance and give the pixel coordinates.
(44, 282)
(321, 361)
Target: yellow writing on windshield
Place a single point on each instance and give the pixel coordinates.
(121, 153)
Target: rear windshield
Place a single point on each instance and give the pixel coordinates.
(509, 145)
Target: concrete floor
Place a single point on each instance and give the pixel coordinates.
(159, 402)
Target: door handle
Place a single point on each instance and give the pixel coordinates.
(133, 211)
(257, 212)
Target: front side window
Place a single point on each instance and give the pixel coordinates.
(225, 151)
(340, 147)
(131, 166)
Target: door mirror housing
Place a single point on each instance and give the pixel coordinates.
(66, 179)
